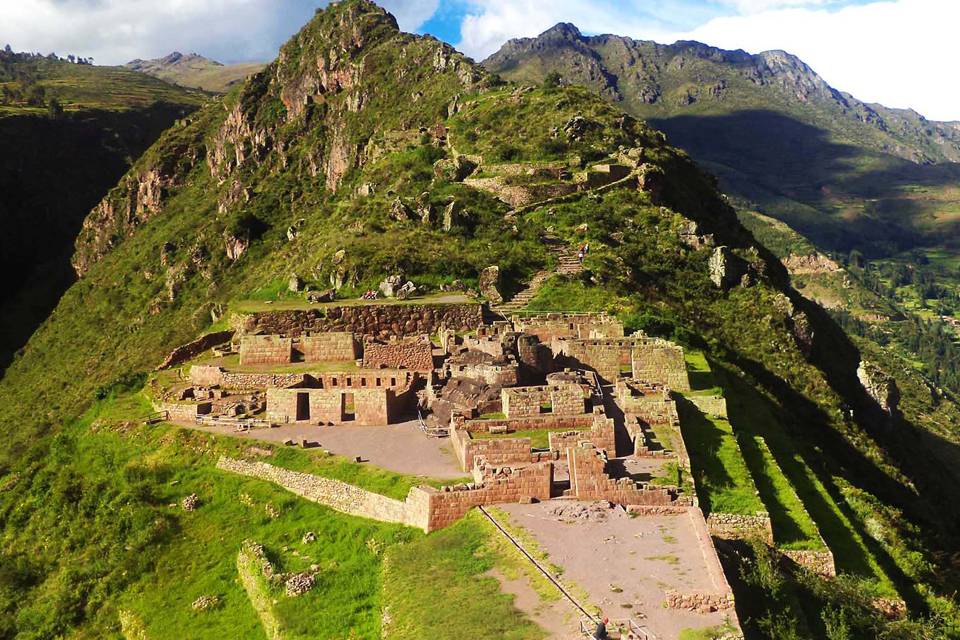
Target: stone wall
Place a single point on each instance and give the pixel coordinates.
(184, 412)
(601, 435)
(715, 406)
(656, 407)
(735, 526)
(520, 195)
(720, 597)
(496, 451)
(820, 562)
(424, 507)
(192, 349)
(505, 375)
(271, 349)
(555, 326)
(383, 321)
(535, 358)
(370, 406)
(496, 485)
(660, 362)
(344, 497)
(208, 376)
(563, 399)
(589, 481)
(415, 355)
(530, 423)
(335, 346)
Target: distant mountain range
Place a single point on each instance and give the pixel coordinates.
(784, 142)
(195, 71)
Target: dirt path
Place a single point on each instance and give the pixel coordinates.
(558, 618)
(625, 564)
(402, 448)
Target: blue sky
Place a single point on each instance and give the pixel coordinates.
(900, 53)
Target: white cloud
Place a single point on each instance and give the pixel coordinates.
(116, 31)
(756, 6)
(900, 53)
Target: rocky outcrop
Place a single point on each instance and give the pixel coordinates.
(490, 283)
(811, 263)
(727, 269)
(881, 387)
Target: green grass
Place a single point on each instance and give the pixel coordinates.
(539, 438)
(724, 483)
(436, 587)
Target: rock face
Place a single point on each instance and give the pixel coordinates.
(726, 269)
(236, 246)
(454, 169)
(490, 283)
(881, 388)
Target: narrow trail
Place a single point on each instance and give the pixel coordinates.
(567, 265)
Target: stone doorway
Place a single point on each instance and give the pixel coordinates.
(303, 406)
(349, 410)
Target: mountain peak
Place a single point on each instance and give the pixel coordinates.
(566, 30)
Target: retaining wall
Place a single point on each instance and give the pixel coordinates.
(271, 349)
(415, 355)
(424, 507)
(335, 346)
(192, 349)
(734, 526)
(382, 321)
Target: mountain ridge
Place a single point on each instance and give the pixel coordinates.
(194, 70)
(761, 67)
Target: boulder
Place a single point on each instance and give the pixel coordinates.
(490, 283)
(389, 286)
(295, 284)
(425, 208)
(322, 296)
(406, 291)
(400, 211)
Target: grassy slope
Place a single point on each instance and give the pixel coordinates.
(204, 74)
(103, 326)
(87, 87)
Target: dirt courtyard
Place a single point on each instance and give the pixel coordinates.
(402, 448)
(625, 564)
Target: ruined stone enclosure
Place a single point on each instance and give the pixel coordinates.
(542, 408)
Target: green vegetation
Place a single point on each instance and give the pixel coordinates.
(723, 480)
(539, 438)
(437, 586)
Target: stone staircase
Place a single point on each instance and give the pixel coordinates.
(567, 265)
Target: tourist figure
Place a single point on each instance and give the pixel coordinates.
(580, 256)
(601, 632)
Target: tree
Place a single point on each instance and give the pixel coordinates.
(54, 109)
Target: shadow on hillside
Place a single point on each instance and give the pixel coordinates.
(53, 174)
(776, 157)
(830, 455)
